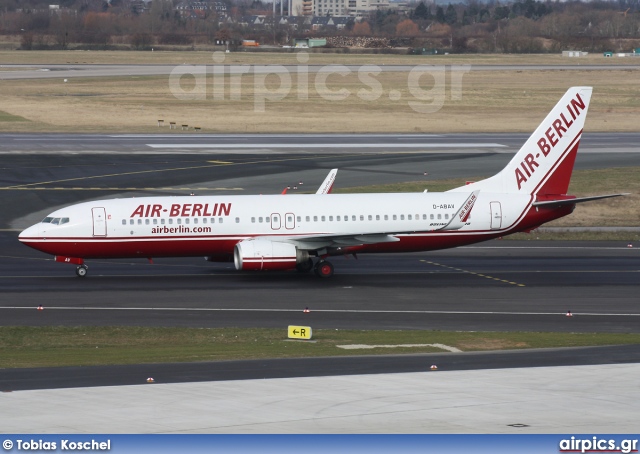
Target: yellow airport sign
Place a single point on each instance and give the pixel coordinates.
(299, 332)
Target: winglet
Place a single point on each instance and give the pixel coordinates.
(461, 217)
(327, 184)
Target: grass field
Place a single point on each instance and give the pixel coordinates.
(291, 57)
(497, 101)
(86, 346)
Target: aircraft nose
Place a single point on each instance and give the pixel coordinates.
(29, 232)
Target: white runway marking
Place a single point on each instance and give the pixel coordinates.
(369, 347)
(336, 311)
(327, 145)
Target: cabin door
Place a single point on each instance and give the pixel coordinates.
(99, 221)
(496, 215)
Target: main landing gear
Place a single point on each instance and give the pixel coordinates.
(323, 268)
(81, 271)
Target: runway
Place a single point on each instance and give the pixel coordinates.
(46, 71)
(497, 286)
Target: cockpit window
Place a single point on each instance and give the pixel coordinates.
(55, 221)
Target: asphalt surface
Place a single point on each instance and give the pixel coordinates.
(45, 71)
(497, 286)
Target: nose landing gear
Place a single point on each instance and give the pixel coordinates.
(81, 271)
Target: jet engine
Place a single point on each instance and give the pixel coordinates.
(262, 254)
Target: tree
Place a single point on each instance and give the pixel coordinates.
(440, 15)
(450, 16)
(422, 11)
(407, 28)
(361, 29)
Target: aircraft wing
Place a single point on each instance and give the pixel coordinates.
(327, 184)
(316, 242)
(558, 203)
(330, 240)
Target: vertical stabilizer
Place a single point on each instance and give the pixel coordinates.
(545, 162)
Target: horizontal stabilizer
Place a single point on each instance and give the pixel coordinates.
(558, 203)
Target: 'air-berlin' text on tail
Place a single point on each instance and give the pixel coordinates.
(544, 164)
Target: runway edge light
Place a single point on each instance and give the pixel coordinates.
(299, 332)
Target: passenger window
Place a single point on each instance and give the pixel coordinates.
(253, 220)
(139, 221)
(439, 216)
(260, 220)
(386, 217)
(446, 216)
(408, 217)
(213, 220)
(424, 217)
(362, 217)
(353, 218)
(170, 221)
(322, 218)
(337, 218)
(346, 218)
(124, 222)
(267, 219)
(195, 220)
(155, 222)
(331, 218)
(220, 220)
(204, 220)
(187, 221)
(402, 217)
(179, 221)
(146, 221)
(431, 217)
(370, 218)
(395, 217)
(237, 220)
(162, 221)
(131, 221)
(299, 218)
(315, 219)
(308, 218)
(377, 217)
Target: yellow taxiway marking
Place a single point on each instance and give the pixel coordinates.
(472, 272)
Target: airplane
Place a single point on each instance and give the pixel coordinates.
(300, 231)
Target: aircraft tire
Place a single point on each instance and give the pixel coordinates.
(305, 266)
(324, 269)
(81, 271)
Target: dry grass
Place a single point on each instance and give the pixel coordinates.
(503, 101)
(291, 58)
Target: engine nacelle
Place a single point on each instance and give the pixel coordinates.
(267, 255)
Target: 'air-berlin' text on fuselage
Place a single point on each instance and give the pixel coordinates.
(550, 139)
(182, 210)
